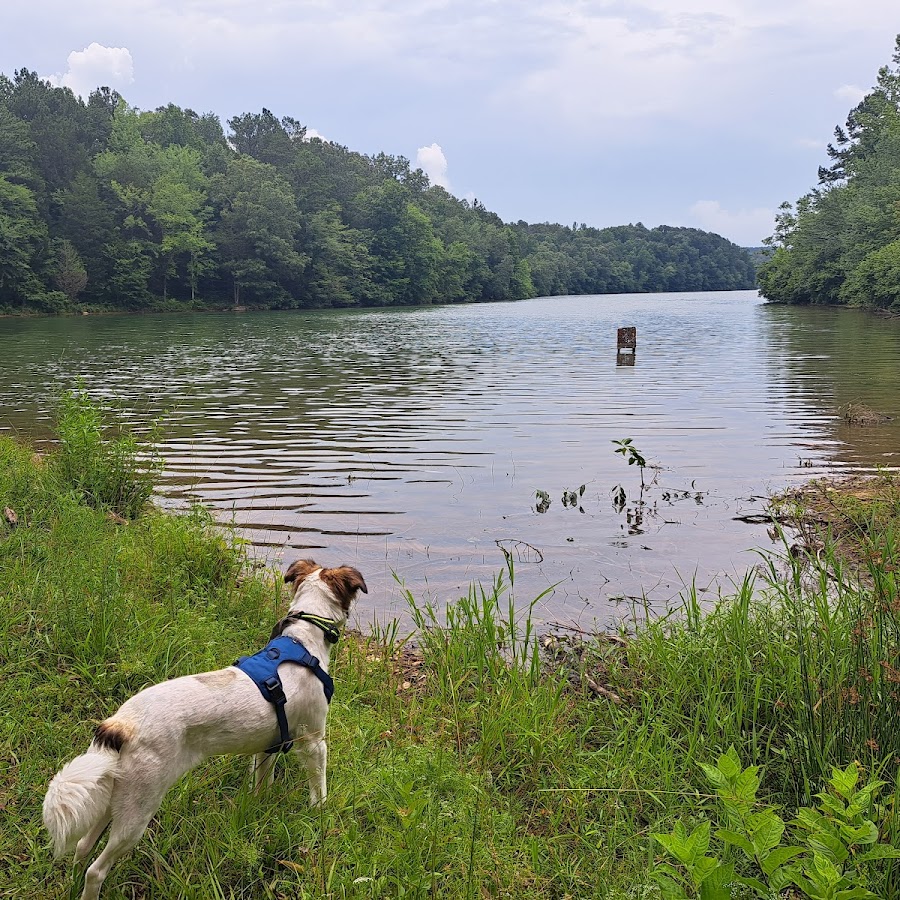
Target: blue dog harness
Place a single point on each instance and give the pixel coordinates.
(262, 667)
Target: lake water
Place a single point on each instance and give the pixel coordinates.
(413, 442)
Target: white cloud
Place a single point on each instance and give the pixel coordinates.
(96, 66)
(746, 227)
(850, 93)
(311, 133)
(433, 163)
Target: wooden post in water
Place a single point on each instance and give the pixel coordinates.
(626, 346)
(627, 339)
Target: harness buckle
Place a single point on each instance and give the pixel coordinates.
(276, 691)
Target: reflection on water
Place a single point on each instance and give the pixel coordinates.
(421, 441)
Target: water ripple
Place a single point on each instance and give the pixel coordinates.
(411, 441)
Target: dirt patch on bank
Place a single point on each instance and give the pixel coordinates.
(857, 515)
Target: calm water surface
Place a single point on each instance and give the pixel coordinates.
(414, 441)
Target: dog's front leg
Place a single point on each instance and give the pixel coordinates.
(315, 758)
(262, 768)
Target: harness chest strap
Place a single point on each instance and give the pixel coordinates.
(262, 668)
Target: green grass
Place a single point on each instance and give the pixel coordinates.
(491, 775)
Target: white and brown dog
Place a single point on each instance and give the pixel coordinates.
(165, 730)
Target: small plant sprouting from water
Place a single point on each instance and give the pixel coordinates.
(632, 454)
(635, 458)
(543, 501)
(571, 499)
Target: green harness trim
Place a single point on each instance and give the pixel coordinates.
(330, 627)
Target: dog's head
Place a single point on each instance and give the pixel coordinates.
(344, 582)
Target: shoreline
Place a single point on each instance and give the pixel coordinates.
(490, 759)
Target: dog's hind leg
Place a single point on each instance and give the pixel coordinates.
(135, 800)
(86, 844)
(123, 837)
(315, 758)
(262, 768)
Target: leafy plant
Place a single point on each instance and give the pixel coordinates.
(114, 471)
(632, 454)
(827, 863)
(572, 498)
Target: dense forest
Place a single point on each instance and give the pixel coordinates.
(103, 206)
(841, 242)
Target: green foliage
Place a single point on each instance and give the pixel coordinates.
(112, 471)
(630, 452)
(71, 276)
(467, 765)
(837, 842)
(839, 244)
(163, 210)
(24, 248)
(635, 458)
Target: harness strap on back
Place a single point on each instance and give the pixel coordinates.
(262, 668)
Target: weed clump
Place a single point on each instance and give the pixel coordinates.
(106, 467)
(857, 413)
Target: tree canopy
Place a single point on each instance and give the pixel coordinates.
(840, 243)
(104, 206)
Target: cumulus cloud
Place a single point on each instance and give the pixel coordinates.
(746, 227)
(311, 134)
(96, 66)
(433, 163)
(850, 93)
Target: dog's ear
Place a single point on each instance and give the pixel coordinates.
(298, 570)
(344, 582)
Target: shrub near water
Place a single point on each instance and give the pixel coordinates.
(112, 471)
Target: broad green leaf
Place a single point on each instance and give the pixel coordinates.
(844, 780)
(765, 829)
(867, 833)
(798, 879)
(699, 840)
(811, 819)
(780, 879)
(669, 889)
(703, 868)
(717, 886)
(736, 840)
(778, 857)
(757, 885)
(829, 847)
(684, 846)
(714, 776)
(879, 851)
(666, 869)
(856, 893)
(729, 763)
(747, 784)
(833, 805)
(826, 869)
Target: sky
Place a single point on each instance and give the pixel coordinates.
(705, 113)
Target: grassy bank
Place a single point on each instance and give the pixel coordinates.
(474, 766)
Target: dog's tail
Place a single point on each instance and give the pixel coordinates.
(79, 793)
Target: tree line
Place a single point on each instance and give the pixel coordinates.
(840, 243)
(104, 206)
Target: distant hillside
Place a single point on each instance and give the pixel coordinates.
(103, 206)
(758, 255)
